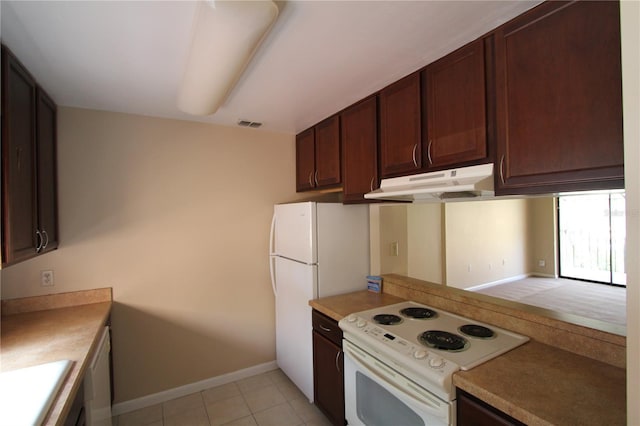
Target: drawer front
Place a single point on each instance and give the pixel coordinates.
(327, 327)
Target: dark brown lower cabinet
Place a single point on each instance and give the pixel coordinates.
(471, 411)
(328, 361)
(77, 416)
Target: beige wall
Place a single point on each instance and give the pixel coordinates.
(458, 244)
(175, 217)
(394, 218)
(543, 229)
(425, 257)
(486, 241)
(417, 231)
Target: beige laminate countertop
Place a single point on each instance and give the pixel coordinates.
(50, 328)
(338, 307)
(534, 383)
(541, 385)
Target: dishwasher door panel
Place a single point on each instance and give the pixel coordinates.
(97, 389)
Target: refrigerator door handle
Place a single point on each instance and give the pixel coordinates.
(271, 233)
(271, 259)
(273, 278)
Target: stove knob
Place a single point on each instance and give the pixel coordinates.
(436, 362)
(361, 323)
(420, 354)
(352, 318)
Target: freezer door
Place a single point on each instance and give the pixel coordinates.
(343, 248)
(296, 284)
(295, 232)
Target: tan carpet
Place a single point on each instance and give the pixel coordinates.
(590, 300)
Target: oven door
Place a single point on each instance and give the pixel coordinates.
(377, 395)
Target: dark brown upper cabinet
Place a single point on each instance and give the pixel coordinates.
(540, 97)
(19, 208)
(328, 169)
(305, 160)
(359, 136)
(318, 156)
(559, 99)
(454, 118)
(400, 127)
(29, 212)
(46, 132)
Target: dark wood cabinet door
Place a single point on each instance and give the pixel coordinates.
(474, 412)
(305, 160)
(46, 171)
(77, 414)
(454, 108)
(327, 327)
(328, 170)
(328, 379)
(359, 132)
(18, 161)
(400, 127)
(559, 99)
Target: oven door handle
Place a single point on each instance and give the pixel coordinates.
(427, 403)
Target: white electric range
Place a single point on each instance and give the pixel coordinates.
(400, 360)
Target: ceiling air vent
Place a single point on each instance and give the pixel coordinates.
(246, 123)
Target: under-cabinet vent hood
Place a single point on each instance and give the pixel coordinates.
(464, 183)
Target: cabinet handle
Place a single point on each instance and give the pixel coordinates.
(371, 184)
(310, 178)
(429, 151)
(415, 162)
(46, 243)
(39, 236)
(323, 328)
(315, 177)
(338, 361)
(502, 169)
(19, 158)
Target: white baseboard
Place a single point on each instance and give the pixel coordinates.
(502, 281)
(541, 275)
(169, 394)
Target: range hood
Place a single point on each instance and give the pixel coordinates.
(461, 184)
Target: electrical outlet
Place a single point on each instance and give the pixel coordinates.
(394, 248)
(541, 263)
(46, 278)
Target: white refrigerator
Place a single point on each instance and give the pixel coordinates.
(317, 250)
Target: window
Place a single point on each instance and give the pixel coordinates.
(591, 237)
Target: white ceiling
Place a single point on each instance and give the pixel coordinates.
(319, 57)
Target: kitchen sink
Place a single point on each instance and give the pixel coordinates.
(26, 394)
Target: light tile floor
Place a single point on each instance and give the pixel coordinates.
(268, 399)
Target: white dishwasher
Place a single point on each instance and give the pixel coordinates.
(97, 385)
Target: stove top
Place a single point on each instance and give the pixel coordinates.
(425, 343)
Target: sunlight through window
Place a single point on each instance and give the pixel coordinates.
(592, 237)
